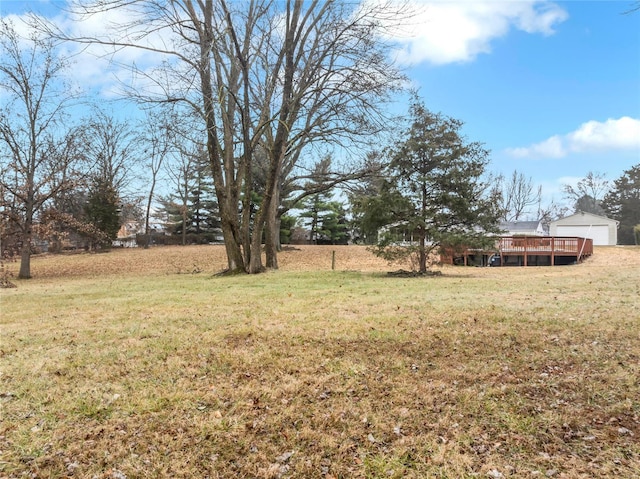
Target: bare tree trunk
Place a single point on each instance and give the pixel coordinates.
(255, 262)
(235, 259)
(148, 212)
(281, 137)
(184, 225)
(423, 253)
(272, 233)
(223, 177)
(25, 253)
(423, 232)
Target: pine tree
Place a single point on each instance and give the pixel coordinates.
(192, 210)
(623, 204)
(314, 207)
(334, 224)
(103, 210)
(436, 192)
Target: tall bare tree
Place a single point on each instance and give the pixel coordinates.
(259, 74)
(36, 149)
(156, 142)
(334, 85)
(588, 193)
(518, 195)
(112, 150)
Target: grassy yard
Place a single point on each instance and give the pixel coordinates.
(143, 364)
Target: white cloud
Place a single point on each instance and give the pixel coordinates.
(443, 32)
(549, 148)
(438, 31)
(620, 134)
(104, 68)
(99, 66)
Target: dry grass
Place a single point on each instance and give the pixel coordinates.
(121, 365)
(194, 259)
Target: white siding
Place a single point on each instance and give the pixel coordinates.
(598, 233)
(587, 225)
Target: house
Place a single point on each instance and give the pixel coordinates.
(300, 236)
(126, 237)
(602, 230)
(523, 228)
(399, 233)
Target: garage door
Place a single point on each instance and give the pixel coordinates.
(599, 234)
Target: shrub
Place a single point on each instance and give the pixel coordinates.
(5, 275)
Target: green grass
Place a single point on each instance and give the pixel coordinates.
(527, 372)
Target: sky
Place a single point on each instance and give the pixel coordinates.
(551, 88)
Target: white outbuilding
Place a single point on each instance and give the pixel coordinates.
(602, 230)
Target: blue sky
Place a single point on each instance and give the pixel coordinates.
(554, 102)
(551, 88)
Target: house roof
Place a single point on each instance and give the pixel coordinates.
(520, 225)
(590, 217)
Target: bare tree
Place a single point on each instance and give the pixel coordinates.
(36, 149)
(551, 211)
(157, 143)
(260, 74)
(334, 81)
(112, 150)
(518, 195)
(588, 193)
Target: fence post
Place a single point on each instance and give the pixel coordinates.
(333, 260)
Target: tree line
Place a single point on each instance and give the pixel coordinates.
(258, 108)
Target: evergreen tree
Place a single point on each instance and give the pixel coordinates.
(315, 208)
(287, 223)
(371, 210)
(588, 204)
(368, 212)
(203, 207)
(623, 204)
(334, 224)
(103, 210)
(436, 192)
(192, 209)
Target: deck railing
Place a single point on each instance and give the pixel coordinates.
(569, 245)
(522, 250)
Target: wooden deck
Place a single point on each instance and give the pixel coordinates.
(528, 251)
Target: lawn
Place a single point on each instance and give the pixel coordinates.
(144, 364)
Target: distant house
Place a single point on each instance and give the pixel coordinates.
(399, 233)
(402, 235)
(300, 236)
(126, 237)
(602, 230)
(523, 228)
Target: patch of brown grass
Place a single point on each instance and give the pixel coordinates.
(195, 259)
(313, 373)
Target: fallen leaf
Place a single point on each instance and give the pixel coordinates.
(284, 457)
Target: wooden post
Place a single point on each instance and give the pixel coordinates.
(553, 251)
(333, 260)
